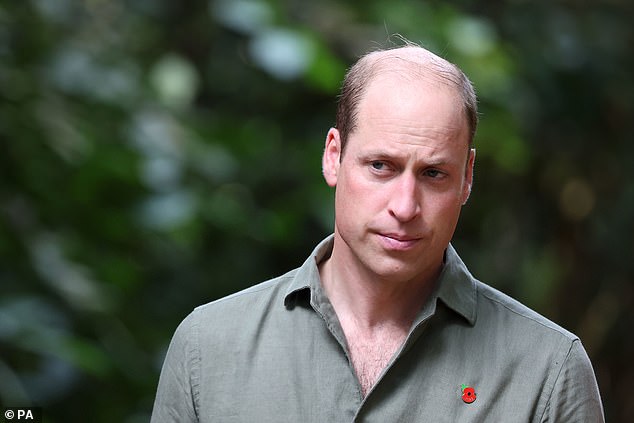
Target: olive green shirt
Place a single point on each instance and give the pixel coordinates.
(276, 353)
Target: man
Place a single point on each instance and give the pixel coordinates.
(383, 322)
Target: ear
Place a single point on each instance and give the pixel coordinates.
(468, 177)
(332, 157)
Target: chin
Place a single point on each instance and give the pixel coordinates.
(394, 270)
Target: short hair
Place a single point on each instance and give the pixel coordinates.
(360, 75)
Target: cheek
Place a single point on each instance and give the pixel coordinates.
(354, 190)
(442, 214)
(352, 201)
(444, 205)
(357, 203)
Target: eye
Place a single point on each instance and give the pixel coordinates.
(433, 173)
(378, 165)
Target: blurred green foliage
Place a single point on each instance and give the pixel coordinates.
(157, 155)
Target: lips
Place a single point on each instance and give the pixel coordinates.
(398, 242)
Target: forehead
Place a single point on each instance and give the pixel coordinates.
(406, 102)
(404, 116)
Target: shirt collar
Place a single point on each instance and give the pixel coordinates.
(307, 276)
(456, 288)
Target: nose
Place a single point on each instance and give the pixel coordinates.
(404, 204)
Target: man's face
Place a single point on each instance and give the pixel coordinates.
(406, 172)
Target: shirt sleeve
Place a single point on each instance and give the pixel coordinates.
(177, 393)
(575, 396)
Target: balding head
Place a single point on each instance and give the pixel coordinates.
(410, 63)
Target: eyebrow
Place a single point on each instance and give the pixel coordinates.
(384, 155)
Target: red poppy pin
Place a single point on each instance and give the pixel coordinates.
(468, 394)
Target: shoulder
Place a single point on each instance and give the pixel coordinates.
(570, 391)
(494, 304)
(260, 295)
(545, 355)
(489, 310)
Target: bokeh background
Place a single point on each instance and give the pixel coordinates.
(157, 154)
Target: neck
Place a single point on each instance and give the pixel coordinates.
(371, 302)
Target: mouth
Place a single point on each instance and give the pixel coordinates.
(398, 242)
